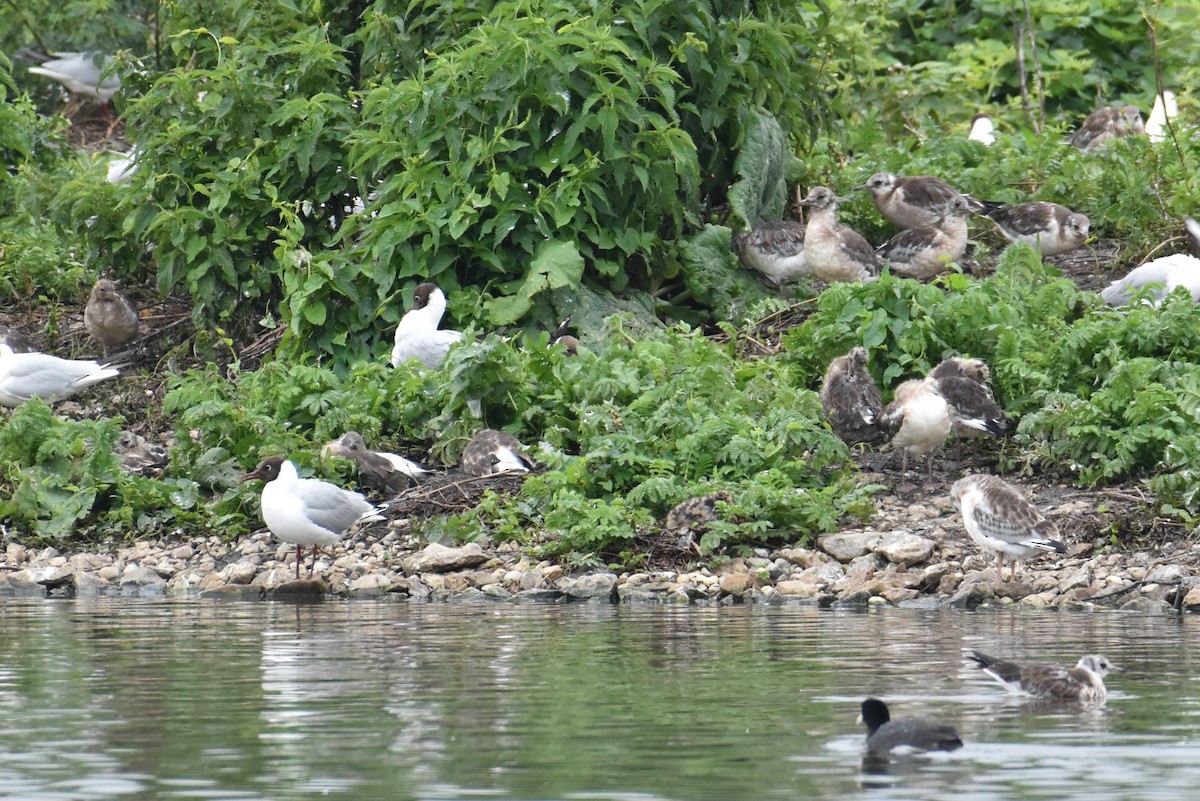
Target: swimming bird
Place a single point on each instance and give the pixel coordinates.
(109, 316)
(913, 200)
(418, 336)
(1084, 682)
(999, 519)
(833, 251)
(885, 735)
(1160, 276)
(1165, 108)
(851, 399)
(1050, 228)
(1107, 123)
(919, 420)
(973, 409)
(775, 250)
(81, 73)
(492, 451)
(307, 511)
(926, 251)
(982, 129)
(376, 470)
(351, 443)
(32, 374)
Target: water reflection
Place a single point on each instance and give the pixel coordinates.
(195, 700)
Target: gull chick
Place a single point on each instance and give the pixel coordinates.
(775, 250)
(493, 451)
(999, 519)
(307, 512)
(1050, 228)
(388, 473)
(1084, 682)
(919, 419)
(32, 374)
(851, 399)
(926, 251)
(833, 251)
(911, 201)
(885, 735)
(418, 336)
(1107, 123)
(109, 316)
(973, 409)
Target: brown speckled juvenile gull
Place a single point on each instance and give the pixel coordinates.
(851, 399)
(833, 251)
(1048, 227)
(418, 336)
(385, 472)
(109, 317)
(492, 451)
(927, 250)
(919, 419)
(695, 513)
(1000, 520)
(1107, 123)
(885, 735)
(973, 409)
(913, 200)
(1084, 682)
(775, 250)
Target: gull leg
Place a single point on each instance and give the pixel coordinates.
(299, 556)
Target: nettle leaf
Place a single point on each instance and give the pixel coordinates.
(557, 265)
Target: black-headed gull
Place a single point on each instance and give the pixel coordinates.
(492, 451)
(1165, 109)
(833, 251)
(1160, 276)
(307, 512)
(775, 250)
(1050, 228)
(912, 200)
(81, 73)
(386, 472)
(418, 336)
(1107, 123)
(1084, 682)
(851, 399)
(982, 129)
(916, 734)
(919, 419)
(1001, 520)
(109, 316)
(28, 375)
(926, 251)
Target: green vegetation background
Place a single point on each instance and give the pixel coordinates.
(545, 157)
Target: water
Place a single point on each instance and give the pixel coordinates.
(204, 700)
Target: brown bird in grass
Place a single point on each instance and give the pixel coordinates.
(376, 470)
(493, 451)
(926, 251)
(109, 316)
(919, 419)
(1050, 228)
(973, 409)
(913, 200)
(775, 250)
(833, 251)
(1107, 123)
(851, 399)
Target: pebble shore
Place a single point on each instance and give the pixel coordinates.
(911, 554)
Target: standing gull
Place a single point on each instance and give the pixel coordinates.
(307, 511)
(27, 375)
(1107, 123)
(919, 419)
(1049, 228)
(999, 519)
(926, 251)
(917, 734)
(973, 409)
(851, 399)
(109, 316)
(912, 201)
(418, 336)
(833, 251)
(81, 73)
(1084, 682)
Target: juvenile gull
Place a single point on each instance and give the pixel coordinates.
(851, 399)
(493, 451)
(927, 250)
(999, 519)
(973, 409)
(1107, 123)
(388, 473)
(1049, 227)
(1160, 276)
(109, 316)
(912, 201)
(833, 251)
(307, 511)
(775, 250)
(885, 735)
(27, 375)
(1084, 682)
(418, 336)
(919, 420)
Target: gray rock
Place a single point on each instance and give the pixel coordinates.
(904, 548)
(847, 546)
(142, 577)
(972, 593)
(594, 587)
(436, 558)
(1167, 574)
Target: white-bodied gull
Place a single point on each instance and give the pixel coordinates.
(418, 336)
(32, 374)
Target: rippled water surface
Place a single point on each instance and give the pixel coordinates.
(366, 700)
